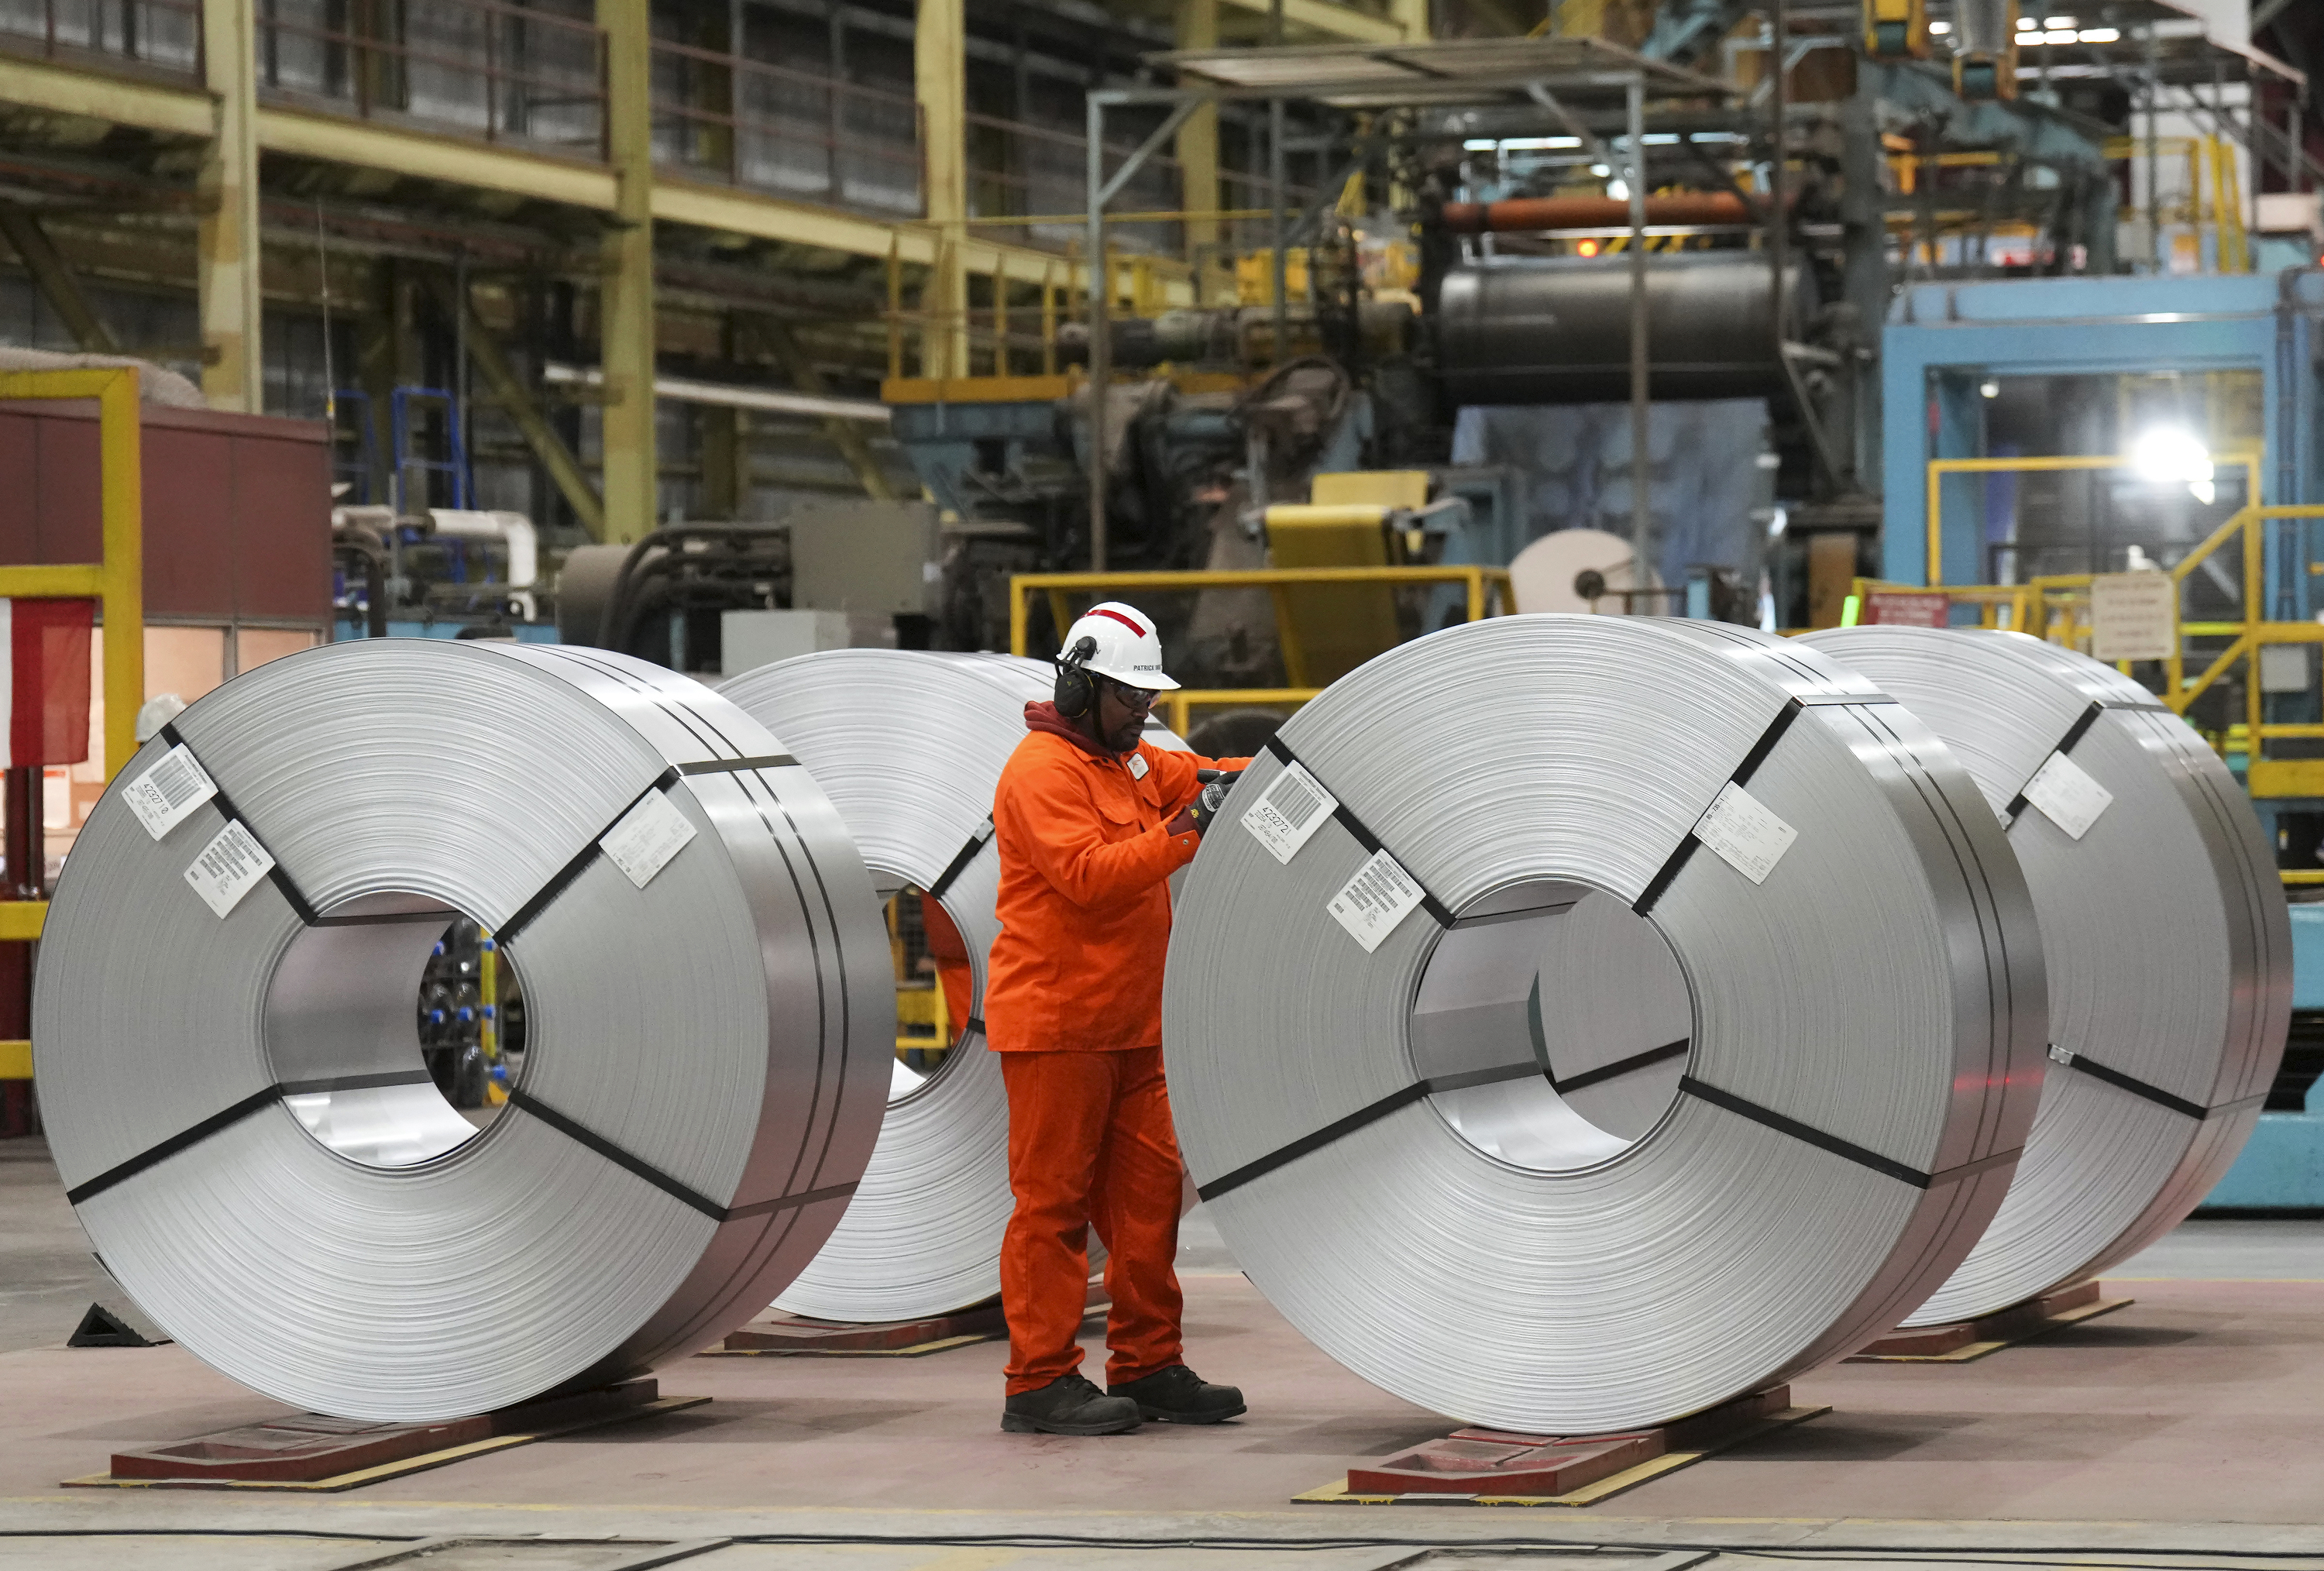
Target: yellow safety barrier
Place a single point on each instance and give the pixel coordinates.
(116, 583)
(2053, 607)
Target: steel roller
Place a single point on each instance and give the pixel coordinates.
(2165, 929)
(225, 1024)
(1420, 993)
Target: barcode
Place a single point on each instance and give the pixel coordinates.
(1291, 797)
(175, 778)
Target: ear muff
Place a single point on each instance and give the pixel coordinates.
(1076, 689)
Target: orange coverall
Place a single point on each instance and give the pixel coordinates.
(1073, 1001)
(949, 950)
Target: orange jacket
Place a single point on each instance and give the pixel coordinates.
(1083, 906)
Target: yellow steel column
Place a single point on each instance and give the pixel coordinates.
(1198, 141)
(227, 185)
(940, 83)
(625, 293)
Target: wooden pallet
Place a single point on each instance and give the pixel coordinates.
(1659, 1452)
(1967, 1341)
(310, 1454)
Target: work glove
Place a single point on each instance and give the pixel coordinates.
(1216, 783)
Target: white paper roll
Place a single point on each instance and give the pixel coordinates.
(2163, 924)
(908, 744)
(1547, 575)
(238, 1103)
(1356, 1035)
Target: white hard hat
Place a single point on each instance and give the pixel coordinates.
(1125, 646)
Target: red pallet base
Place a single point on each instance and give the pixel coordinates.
(1488, 1462)
(1961, 1341)
(309, 1447)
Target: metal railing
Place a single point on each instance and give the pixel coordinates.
(483, 68)
(116, 583)
(1033, 180)
(164, 36)
(1488, 591)
(787, 131)
(2056, 608)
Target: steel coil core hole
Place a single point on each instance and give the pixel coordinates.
(389, 1040)
(1565, 978)
(936, 989)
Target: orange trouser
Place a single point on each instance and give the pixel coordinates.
(1090, 1143)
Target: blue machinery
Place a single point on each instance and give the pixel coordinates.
(1943, 341)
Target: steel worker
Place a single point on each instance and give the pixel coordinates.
(1091, 820)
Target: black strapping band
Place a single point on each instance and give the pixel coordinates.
(1438, 912)
(2138, 1087)
(737, 765)
(275, 874)
(355, 1081)
(1621, 1067)
(981, 837)
(790, 1202)
(1811, 1135)
(2074, 733)
(583, 1134)
(971, 1026)
(1371, 1113)
(1661, 881)
(193, 1135)
(562, 879)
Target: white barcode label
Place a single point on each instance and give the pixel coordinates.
(1746, 835)
(649, 835)
(230, 866)
(1371, 904)
(164, 794)
(1293, 808)
(2067, 795)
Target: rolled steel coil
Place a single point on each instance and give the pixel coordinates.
(225, 1024)
(1556, 329)
(1475, 885)
(908, 744)
(2164, 925)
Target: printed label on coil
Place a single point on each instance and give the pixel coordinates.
(1293, 808)
(1371, 903)
(164, 794)
(2067, 795)
(230, 866)
(1746, 835)
(649, 835)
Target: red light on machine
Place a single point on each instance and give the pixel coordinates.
(1586, 247)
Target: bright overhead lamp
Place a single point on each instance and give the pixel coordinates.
(2174, 455)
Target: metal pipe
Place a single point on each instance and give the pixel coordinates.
(1779, 177)
(1641, 469)
(2153, 155)
(1276, 199)
(1521, 214)
(1101, 285)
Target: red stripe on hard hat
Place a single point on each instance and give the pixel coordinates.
(1117, 616)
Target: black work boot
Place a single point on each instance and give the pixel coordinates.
(1068, 1405)
(1177, 1395)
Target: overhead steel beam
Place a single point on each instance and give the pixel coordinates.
(454, 160)
(116, 100)
(54, 279)
(1340, 22)
(510, 391)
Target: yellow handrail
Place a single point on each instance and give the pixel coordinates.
(116, 583)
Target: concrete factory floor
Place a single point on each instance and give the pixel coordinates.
(2185, 1424)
